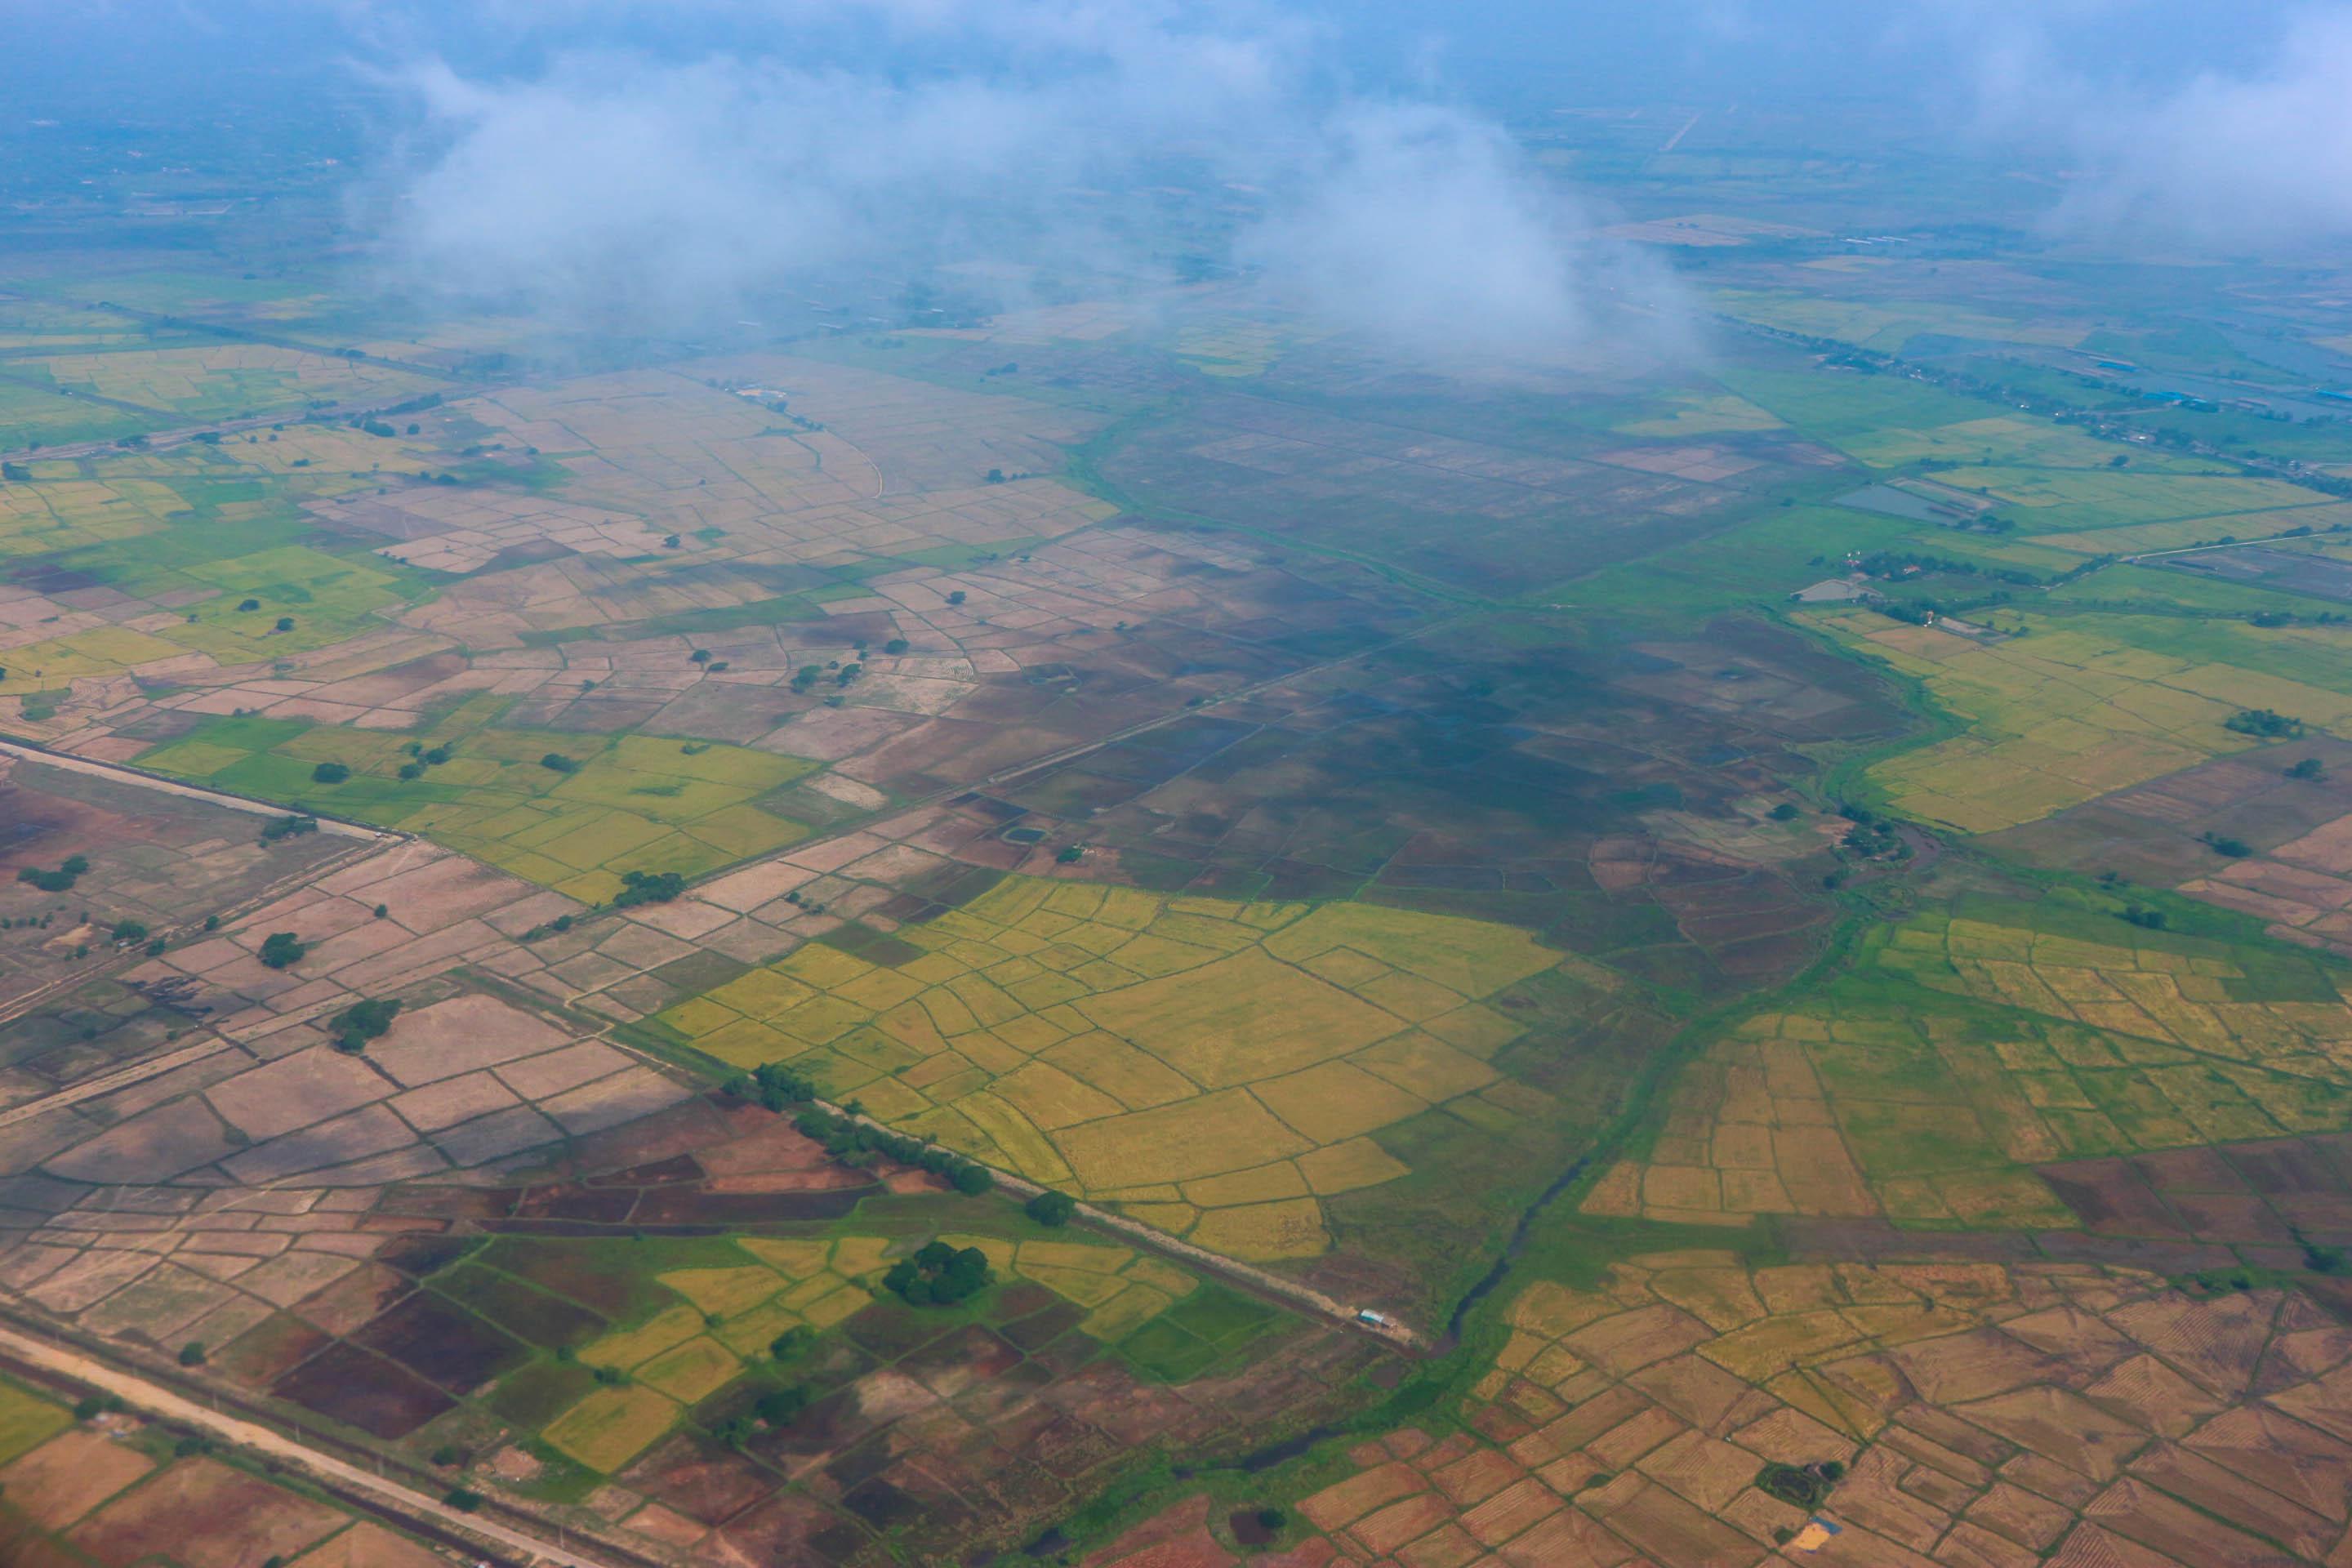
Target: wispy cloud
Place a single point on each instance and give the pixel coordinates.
(616, 185)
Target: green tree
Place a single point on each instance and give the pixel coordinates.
(282, 949)
(1051, 1208)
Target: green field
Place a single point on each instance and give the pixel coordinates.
(631, 802)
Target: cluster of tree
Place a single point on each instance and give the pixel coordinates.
(1801, 1486)
(282, 949)
(287, 827)
(648, 887)
(421, 757)
(361, 1022)
(2221, 844)
(2264, 725)
(808, 675)
(1886, 564)
(773, 1085)
(940, 1276)
(61, 880)
(2309, 768)
(556, 761)
(1051, 1209)
(330, 773)
(857, 1145)
(2147, 919)
(1872, 836)
(774, 1410)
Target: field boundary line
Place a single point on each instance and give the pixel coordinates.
(120, 1078)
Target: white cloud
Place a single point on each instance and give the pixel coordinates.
(1039, 132)
(2239, 162)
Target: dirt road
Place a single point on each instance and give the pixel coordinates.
(162, 1403)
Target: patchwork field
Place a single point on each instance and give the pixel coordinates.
(1214, 1068)
(2073, 711)
(114, 1488)
(1743, 897)
(1971, 1052)
(589, 1338)
(1974, 1414)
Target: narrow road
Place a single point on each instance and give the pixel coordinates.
(334, 827)
(1257, 1281)
(107, 1083)
(162, 1403)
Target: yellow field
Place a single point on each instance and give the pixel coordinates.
(2060, 717)
(2176, 535)
(1123, 1289)
(1891, 1102)
(693, 1371)
(72, 513)
(1168, 1054)
(241, 378)
(26, 1422)
(611, 1426)
(1236, 347)
(1703, 414)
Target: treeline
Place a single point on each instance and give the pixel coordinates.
(854, 1143)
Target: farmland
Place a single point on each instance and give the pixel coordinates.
(1216, 1068)
(1767, 885)
(625, 803)
(114, 1487)
(1973, 1054)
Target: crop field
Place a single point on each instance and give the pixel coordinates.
(1970, 1413)
(1339, 483)
(2291, 826)
(1781, 910)
(1974, 1052)
(596, 1335)
(1216, 1068)
(735, 1305)
(242, 379)
(1888, 424)
(33, 415)
(1889, 326)
(117, 1490)
(626, 803)
(2069, 713)
(2058, 500)
(165, 864)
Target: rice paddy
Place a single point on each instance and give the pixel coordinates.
(1978, 1049)
(1303, 801)
(622, 803)
(1214, 1068)
(2065, 714)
